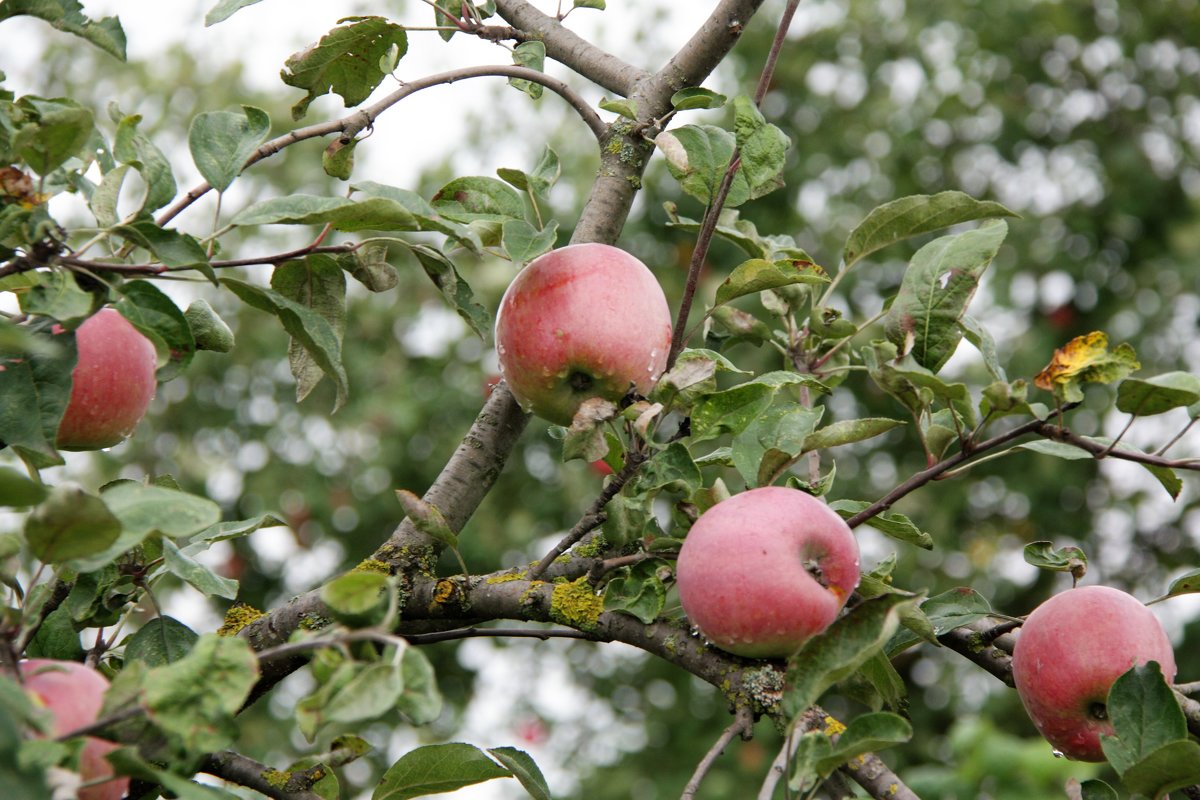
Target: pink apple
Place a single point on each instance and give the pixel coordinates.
(761, 573)
(112, 384)
(1069, 652)
(586, 320)
(74, 694)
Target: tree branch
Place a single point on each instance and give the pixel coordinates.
(350, 126)
(571, 50)
(277, 785)
(742, 725)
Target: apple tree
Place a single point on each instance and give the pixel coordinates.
(792, 362)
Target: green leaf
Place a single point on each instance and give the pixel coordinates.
(162, 640)
(911, 216)
(370, 694)
(196, 574)
(670, 469)
(696, 97)
(1091, 790)
(523, 242)
(420, 702)
(221, 142)
(891, 523)
(732, 410)
(763, 148)
(1173, 766)
(620, 106)
(596, 4)
(938, 285)
(697, 156)
(225, 9)
(196, 697)
(57, 638)
(638, 591)
(157, 317)
(337, 159)
(144, 510)
(943, 613)
(846, 645)
(478, 198)
(523, 768)
(70, 524)
(172, 248)
(868, 733)
(58, 295)
(223, 531)
(848, 431)
(625, 520)
(758, 274)
(531, 54)
(979, 336)
(1061, 450)
(1145, 716)
(693, 376)
(318, 283)
(1187, 583)
(345, 61)
(454, 289)
(369, 266)
(208, 329)
(35, 387)
(1067, 559)
(67, 15)
(133, 147)
(437, 769)
(1159, 394)
(357, 598)
(772, 440)
(427, 518)
(374, 213)
(57, 129)
(304, 325)
(16, 490)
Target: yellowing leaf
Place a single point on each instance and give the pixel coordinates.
(1085, 359)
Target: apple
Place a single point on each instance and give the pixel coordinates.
(1069, 652)
(112, 383)
(74, 694)
(761, 573)
(582, 321)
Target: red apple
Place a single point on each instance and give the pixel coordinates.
(112, 383)
(73, 694)
(1067, 655)
(586, 320)
(762, 572)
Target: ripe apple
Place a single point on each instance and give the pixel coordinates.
(74, 694)
(112, 383)
(582, 321)
(762, 572)
(1067, 655)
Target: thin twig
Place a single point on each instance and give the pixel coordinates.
(350, 126)
(544, 634)
(742, 725)
(594, 517)
(712, 213)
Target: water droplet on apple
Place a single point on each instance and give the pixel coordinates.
(1057, 753)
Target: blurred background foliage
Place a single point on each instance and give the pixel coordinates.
(1083, 117)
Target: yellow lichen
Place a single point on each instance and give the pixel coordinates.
(443, 591)
(237, 617)
(576, 604)
(506, 577)
(833, 727)
(276, 778)
(373, 565)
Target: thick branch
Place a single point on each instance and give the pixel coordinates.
(569, 49)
